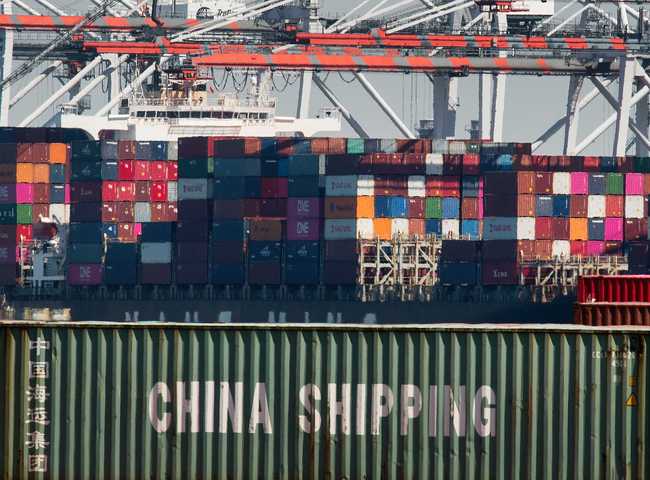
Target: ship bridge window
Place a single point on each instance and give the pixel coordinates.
(151, 114)
(172, 114)
(243, 115)
(185, 114)
(216, 114)
(139, 114)
(161, 114)
(227, 114)
(196, 114)
(264, 116)
(206, 114)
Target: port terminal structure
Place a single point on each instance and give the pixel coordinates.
(604, 43)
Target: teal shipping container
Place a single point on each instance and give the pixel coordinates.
(314, 401)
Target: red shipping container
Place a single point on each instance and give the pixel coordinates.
(303, 229)
(252, 146)
(126, 192)
(544, 249)
(126, 149)
(391, 185)
(40, 152)
(526, 206)
(86, 192)
(416, 208)
(591, 164)
(109, 212)
(544, 228)
(336, 145)
(24, 233)
(320, 146)
(578, 206)
(126, 170)
(172, 171)
(24, 153)
(560, 228)
(109, 191)
(126, 233)
(614, 289)
(158, 171)
(525, 182)
(417, 228)
(414, 163)
(192, 273)
(440, 186)
(156, 274)
(636, 229)
(142, 191)
(560, 163)
(470, 208)
(615, 205)
(125, 212)
(275, 187)
(500, 273)
(84, 274)
(158, 192)
(141, 170)
(471, 164)
(228, 209)
(158, 212)
(273, 207)
(539, 162)
(452, 164)
(646, 184)
(40, 211)
(41, 192)
(265, 273)
(543, 183)
(252, 207)
(579, 248)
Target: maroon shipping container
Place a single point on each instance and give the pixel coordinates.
(156, 274)
(41, 192)
(525, 183)
(273, 207)
(158, 212)
(646, 183)
(460, 251)
(560, 163)
(341, 250)
(84, 274)
(86, 212)
(191, 273)
(500, 183)
(252, 207)
(228, 252)
(192, 231)
(195, 147)
(615, 206)
(126, 149)
(8, 193)
(636, 229)
(544, 228)
(526, 249)
(416, 207)
(611, 314)
(142, 191)
(578, 206)
(275, 187)
(381, 164)
(109, 212)
(419, 145)
(440, 186)
(194, 210)
(7, 173)
(391, 185)
(625, 164)
(452, 164)
(613, 248)
(85, 192)
(500, 250)
(228, 209)
(40, 152)
(24, 153)
(229, 147)
(414, 163)
(342, 164)
(191, 252)
(39, 211)
(543, 183)
(340, 273)
(469, 208)
(500, 273)
(614, 289)
(539, 163)
(266, 272)
(544, 249)
(471, 164)
(560, 228)
(500, 206)
(526, 206)
(125, 212)
(126, 233)
(579, 248)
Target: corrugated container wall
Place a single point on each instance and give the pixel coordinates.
(216, 401)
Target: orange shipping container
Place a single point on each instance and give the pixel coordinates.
(525, 183)
(41, 173)
(615, 206)
(58, 153)
(340, 207)
(417, 227)
(383, 228)
(24, 173)
(266, 230)
(365, 207)
(578, 229)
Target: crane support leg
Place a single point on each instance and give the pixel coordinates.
(572, 114)
(7, 67)
(485, 105)
(625, 84)
(498, 106)
(445, 92)
(356, 126)
(643, 123)
(35, 81)
(384, 105)
(304, 95)
(114, 79)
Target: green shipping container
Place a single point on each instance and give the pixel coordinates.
(355, 145)
(615, 184)
(642, 164)
(196, 168)
(8, 214)
(24, 214)
(433, 207)
(282, 401)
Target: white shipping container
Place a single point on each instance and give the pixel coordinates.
(366, 186)
(340, 229)
(500, 228)
(433, 163)
(142, 212)
(194, 189)
(417, 186)
(596, 206)
(366, 228)
(562, 183)
(172, 191)
(561, 248)
(439, 146)
(634, 206)
(156, 252)
(450, 228)
(525, 228)
(341, 185)
(57, 211)
(457, 147)
(172, 150)
(400, 226)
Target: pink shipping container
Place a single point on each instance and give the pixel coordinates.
(579, 183)
(595, 248)
(303, 208)
(303, 229)
(85, 274)
(67, 193)
(614, 229)
(634, 184)
(24, 193)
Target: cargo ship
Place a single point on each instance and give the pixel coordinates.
(309, 229)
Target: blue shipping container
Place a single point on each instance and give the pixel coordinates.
(110, 230)
(235, 188)
(159, 150)
(227, 274)
(304, 186)
(57, 173)
(382, 207)
(237, 167)
(302, 146)
(471, 228)
(302, 251)
(544, 206)
(470, 187)
(228, 230)
(121, 274)
(607, 164)
(457, 273)
(262, 251)
(398, 207)
(561, 205)
(504, 162)
(117, 253)
(303, 165)
(110, 170)
(85, 233)
(597, 184)
(157, 232)
(596, 229)
(302, 273)
(433, 226)
(57, 194)
(450, 208)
